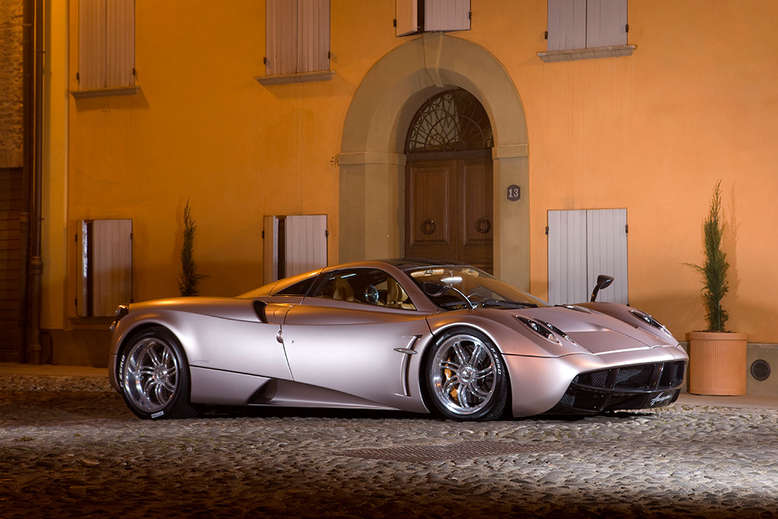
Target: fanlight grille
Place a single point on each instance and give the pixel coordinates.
(453, 120)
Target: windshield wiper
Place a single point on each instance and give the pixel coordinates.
(503, 303)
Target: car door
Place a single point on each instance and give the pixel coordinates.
(355, 333)
(242, 345)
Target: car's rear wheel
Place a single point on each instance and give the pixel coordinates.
(466, 376)
(154, 375)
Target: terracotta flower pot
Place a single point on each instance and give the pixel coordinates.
(717, 363)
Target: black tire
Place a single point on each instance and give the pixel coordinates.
(153, 375)
(451, 382)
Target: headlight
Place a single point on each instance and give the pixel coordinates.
(546, 330)
(649, 320)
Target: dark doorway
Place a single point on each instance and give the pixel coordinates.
(13, 258)
(448, 179)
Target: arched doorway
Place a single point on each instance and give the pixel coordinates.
(371, 215)
(448, 181)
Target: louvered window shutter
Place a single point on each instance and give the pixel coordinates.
(111, 265)
(606, 251)
(281, 37)
(406, 17)
(606, 23)
(106, 44)
(446, 15)
(298, 36)
(120, 43)
(91, 44)
(566, 24)
(583, 244)
(313, 28)
(306, 243)
(105, 266)
(567, 281)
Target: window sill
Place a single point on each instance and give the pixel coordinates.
(611, 51)
(323, 75)
(102, 92)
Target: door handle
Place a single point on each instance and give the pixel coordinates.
(428, 226)
(483, 225)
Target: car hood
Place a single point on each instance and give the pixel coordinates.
(597, 332)
(587, 331)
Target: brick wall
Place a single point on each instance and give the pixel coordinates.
(11, 83)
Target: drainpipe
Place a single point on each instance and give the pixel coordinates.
(34, 21)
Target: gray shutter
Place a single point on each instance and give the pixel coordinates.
(446, 15)
(91, 44)
(567, 257)
(281, 37)
(306, 243)
(407, 17)
(566, 24)
(111, 265)
(606, 239)
(120, 43)
(105, 263)
(313, 28)
(606, 23)
(269, 249)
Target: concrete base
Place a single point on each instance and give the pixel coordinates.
(768, 353)
(80, 347)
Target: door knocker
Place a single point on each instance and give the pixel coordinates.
(483, 225)
(429, 226)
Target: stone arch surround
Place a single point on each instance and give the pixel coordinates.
(372, 162)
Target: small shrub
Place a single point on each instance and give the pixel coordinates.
(189, 277)
(714, 271)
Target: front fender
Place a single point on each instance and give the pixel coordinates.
(507, 333)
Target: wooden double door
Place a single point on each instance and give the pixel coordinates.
(449, 207)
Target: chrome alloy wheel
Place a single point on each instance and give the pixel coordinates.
(463, 374)
(150, 374)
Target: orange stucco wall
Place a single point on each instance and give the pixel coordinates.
(651, 132)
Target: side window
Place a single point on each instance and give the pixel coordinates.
(298, 289)
(367, 286)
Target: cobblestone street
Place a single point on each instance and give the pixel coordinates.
(70, 447)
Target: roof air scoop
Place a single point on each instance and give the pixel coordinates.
(259, 308)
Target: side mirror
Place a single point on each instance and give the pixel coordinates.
(603, 281)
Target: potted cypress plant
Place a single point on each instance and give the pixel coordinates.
(717, 357)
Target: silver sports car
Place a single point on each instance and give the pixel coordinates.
(406, 335)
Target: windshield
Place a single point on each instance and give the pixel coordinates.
(447, 287)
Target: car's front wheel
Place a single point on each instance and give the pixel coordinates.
(466, 376)
(154, 375)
